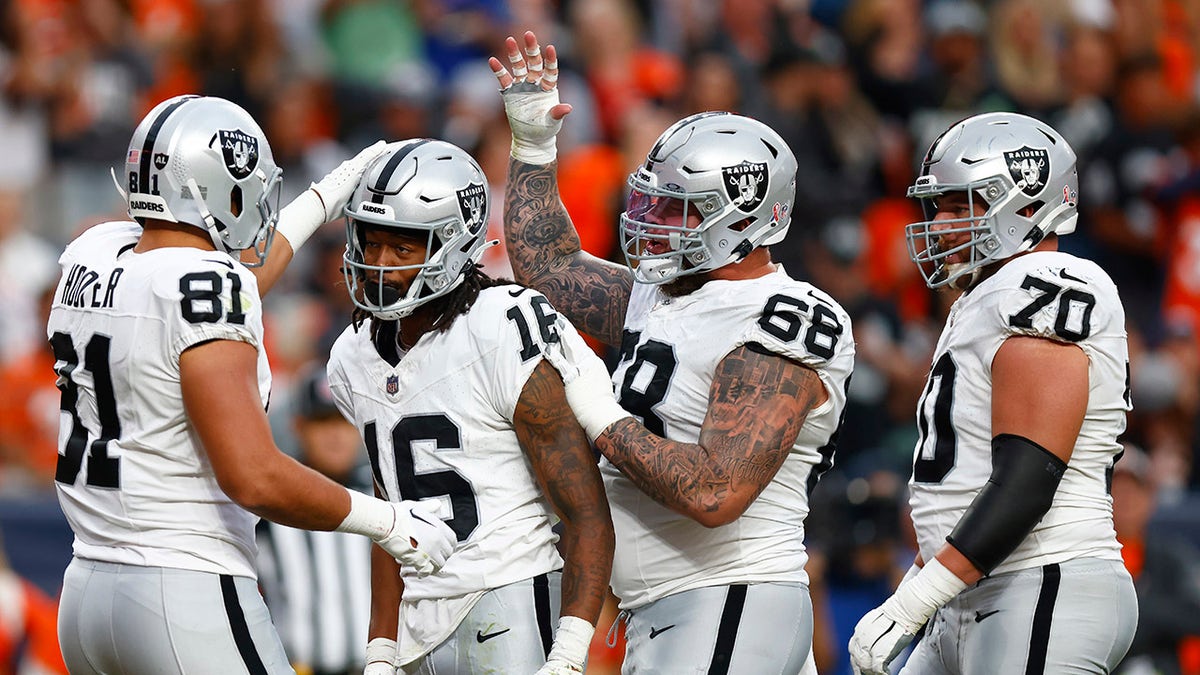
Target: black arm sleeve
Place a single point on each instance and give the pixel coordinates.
(1024, 479)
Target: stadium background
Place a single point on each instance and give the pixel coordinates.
(857, 87)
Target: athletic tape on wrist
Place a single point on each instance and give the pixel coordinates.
(382, 650)
(368, 516)
(572, 639)
(300, 218)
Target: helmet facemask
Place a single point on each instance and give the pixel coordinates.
(428, 191)
(1020, 170)
(973, 235)
(731, 176)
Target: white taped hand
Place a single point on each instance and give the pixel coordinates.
(530, 94)
(534, 130)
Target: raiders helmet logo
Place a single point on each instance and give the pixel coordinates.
(1029, 167)
(471, 202)
(240, 151)
(160, 160)
(746, 184)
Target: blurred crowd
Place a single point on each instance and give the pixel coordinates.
(857, 88)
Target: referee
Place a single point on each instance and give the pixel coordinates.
(317, 584)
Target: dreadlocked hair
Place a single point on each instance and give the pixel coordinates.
(454, 303)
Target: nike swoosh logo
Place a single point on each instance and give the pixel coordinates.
(980, 616)
(517, 292)
(221, 262)
(655, 632)
(1063, 273)
(482, 638)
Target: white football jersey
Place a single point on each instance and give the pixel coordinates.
(133, 479)
(1045, 294)
(670, 350)
(439, 426)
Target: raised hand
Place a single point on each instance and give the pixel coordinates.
(530, 93)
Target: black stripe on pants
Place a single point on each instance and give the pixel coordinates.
(541, 608)
(241, 632)
(731, 618)
(1043, 615)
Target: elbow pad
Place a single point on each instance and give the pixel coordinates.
(1024, 478)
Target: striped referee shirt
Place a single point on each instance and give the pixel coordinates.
(318, 588)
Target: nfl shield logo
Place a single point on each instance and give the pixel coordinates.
(1029, 168)
(393, 385)
(240, 151)
(472, 203)
(746, 184)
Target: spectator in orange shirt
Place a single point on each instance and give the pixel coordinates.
(28, 627)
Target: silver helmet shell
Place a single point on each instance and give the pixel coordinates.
(204, 161)
(1018, 168)
(426, 189)
(735, 173)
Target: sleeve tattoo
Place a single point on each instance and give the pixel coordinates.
(738, 454)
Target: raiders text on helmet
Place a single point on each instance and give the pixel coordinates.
(427, 189)
(1020, 169)
(735, 173)
(203, 161)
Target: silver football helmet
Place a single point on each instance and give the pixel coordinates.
(1019, 169)
(426, 189)
(204, 161)
(735, 173)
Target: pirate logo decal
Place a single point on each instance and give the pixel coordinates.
(240, 151)
(746, 184)
(472, 201)
(1029, 167)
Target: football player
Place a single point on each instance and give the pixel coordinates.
(1019, 569)
(735, 371)
(443, 372)
(166, 459)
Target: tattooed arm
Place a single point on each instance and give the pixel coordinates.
(544, 249)
(565, 467)
(715, 481)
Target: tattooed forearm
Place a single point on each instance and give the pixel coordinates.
(685, 477)
(546, 254)
(716, 480)
(537, 230)
(565, 468)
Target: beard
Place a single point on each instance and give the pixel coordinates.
(381, 295)
(684, 285)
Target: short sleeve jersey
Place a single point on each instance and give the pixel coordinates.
(670, 350)
(1050, 295)
(133, 479)
(439, 427)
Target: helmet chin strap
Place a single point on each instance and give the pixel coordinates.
(209, 220)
